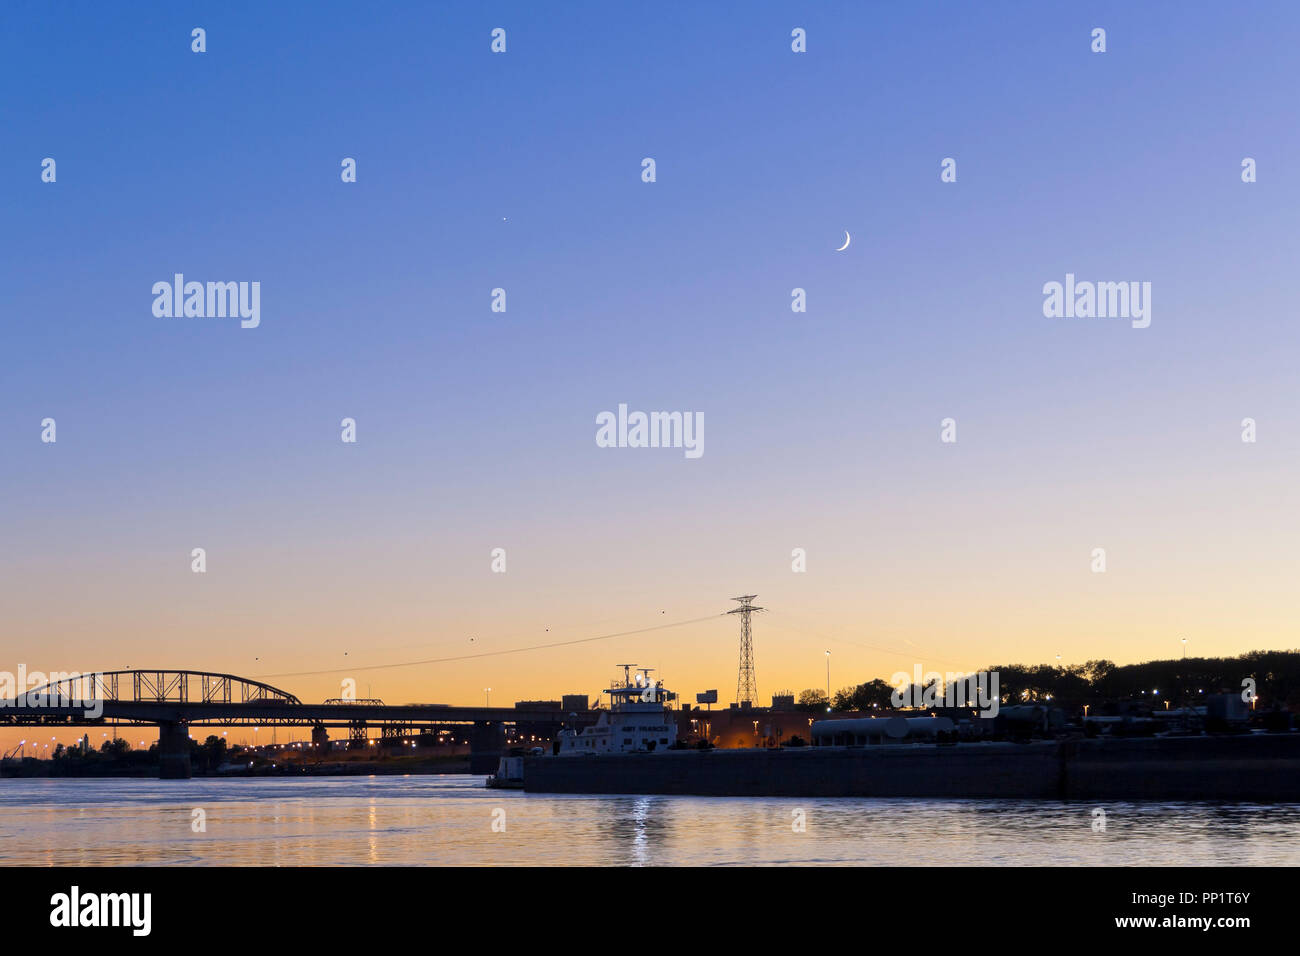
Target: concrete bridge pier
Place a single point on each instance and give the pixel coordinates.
(173, 752)
(487, 744)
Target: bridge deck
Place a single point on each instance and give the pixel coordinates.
(274, 713)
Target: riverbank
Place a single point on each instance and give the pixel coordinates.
(32, 768)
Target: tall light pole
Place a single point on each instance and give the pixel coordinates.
(487, 691)
(828, 681)
(1186, 701)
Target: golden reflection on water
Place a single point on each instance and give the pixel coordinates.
(454, 820)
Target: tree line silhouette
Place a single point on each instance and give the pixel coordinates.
(1272, 676)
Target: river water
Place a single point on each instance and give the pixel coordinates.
(455, 820)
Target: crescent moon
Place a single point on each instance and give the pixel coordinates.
(847, 240)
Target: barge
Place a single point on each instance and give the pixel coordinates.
(631, 750)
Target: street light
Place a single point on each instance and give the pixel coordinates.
(1184, 648)
(488, 696)
(828, 680)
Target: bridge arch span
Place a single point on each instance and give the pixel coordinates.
(163, 686)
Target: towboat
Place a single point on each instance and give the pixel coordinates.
(639, 720)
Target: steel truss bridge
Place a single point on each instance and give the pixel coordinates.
(177, 700)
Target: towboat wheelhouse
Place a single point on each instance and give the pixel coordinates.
(639, 720)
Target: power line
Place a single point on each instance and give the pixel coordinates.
(923, 657)
(470, 657)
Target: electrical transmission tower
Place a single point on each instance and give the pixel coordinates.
(746, 686)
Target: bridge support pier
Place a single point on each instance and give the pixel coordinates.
(390, 736)
(487, 744)
(320, 738)
(173, 752)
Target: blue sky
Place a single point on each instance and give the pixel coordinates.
(522, 171)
